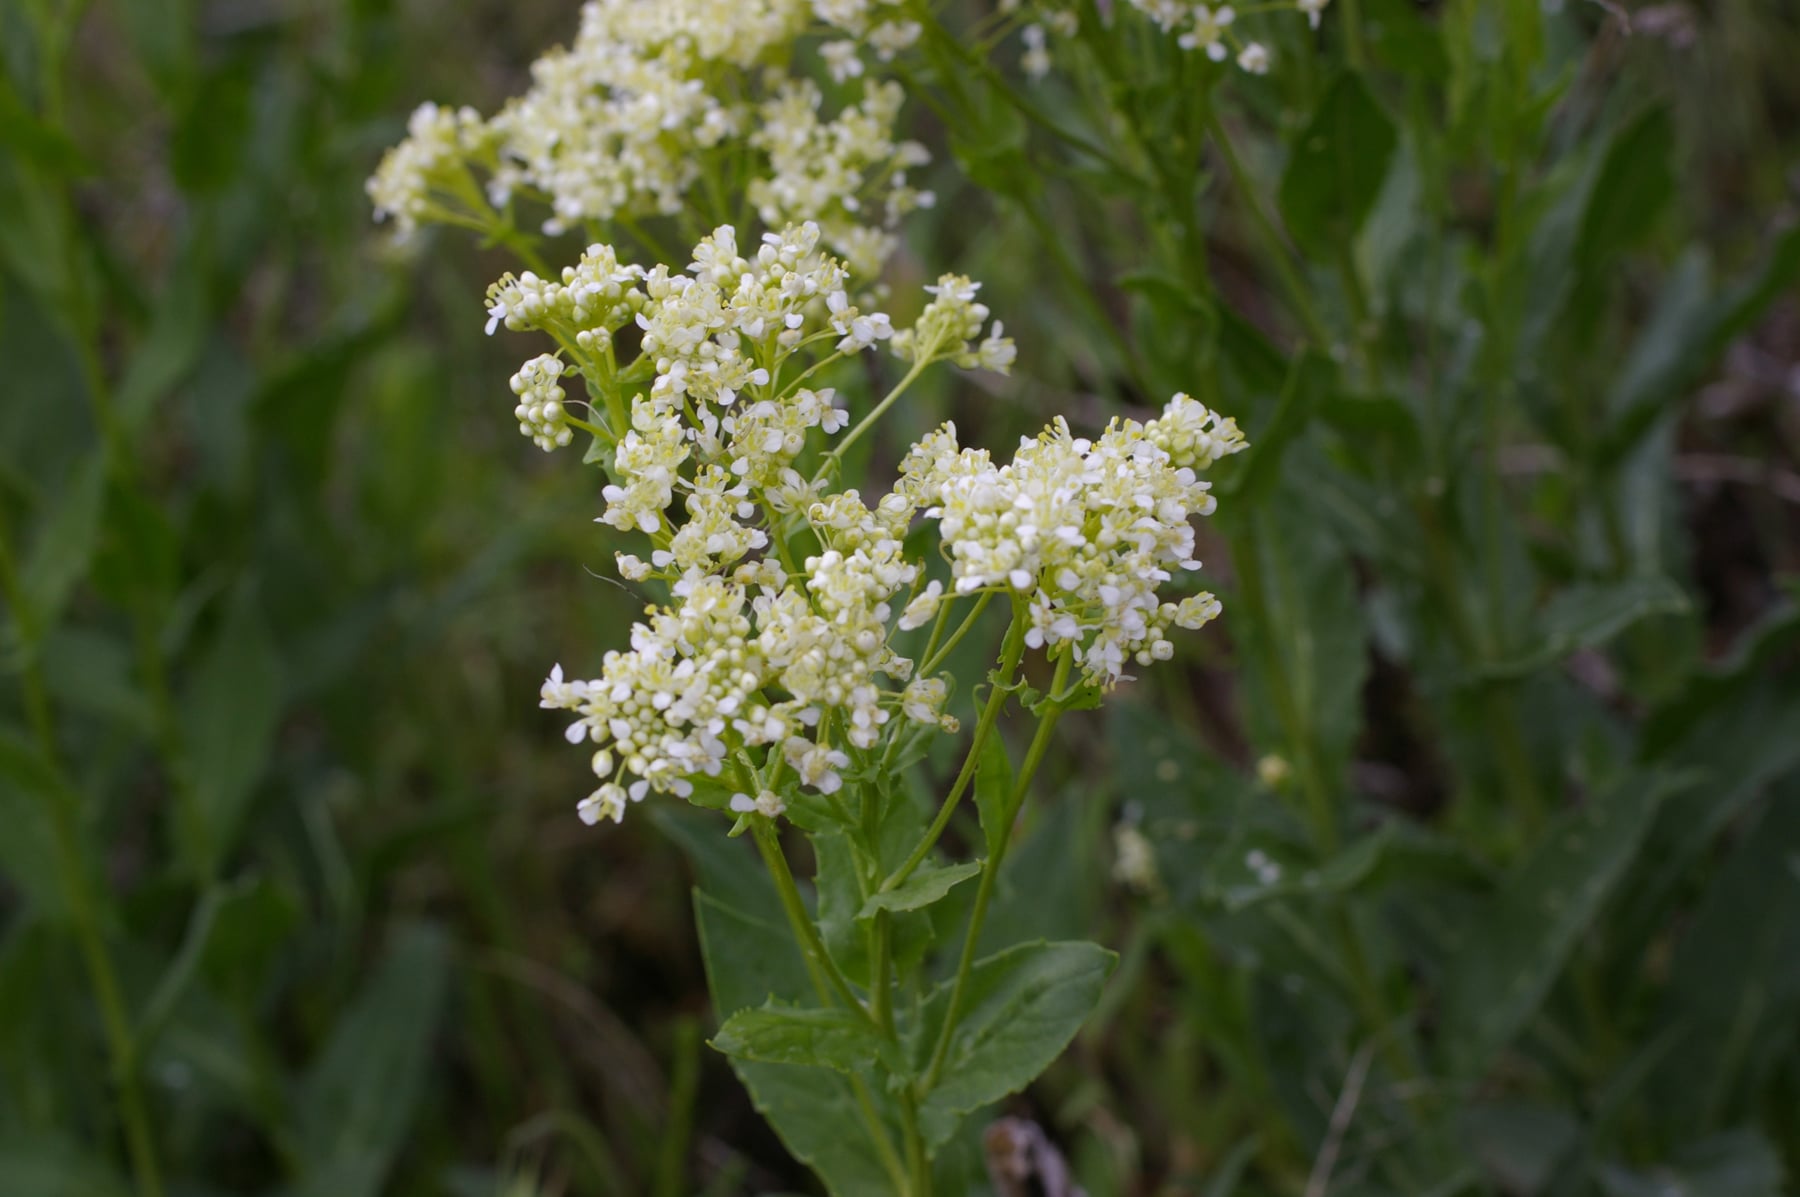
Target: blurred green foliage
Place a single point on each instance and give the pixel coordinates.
(292, 897)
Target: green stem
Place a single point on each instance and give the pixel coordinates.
(990, 869)
(850, 438)
(1364, 991)
(1350, 18)
(935, 659)
(1011, 650)
(826, 980)
(918, 1160)
(769, 844)
(1363, 331)
(64, 809)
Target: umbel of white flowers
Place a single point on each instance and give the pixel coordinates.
(763, 672)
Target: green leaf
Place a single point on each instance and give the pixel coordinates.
(1021, 1008)
(1310, 628)
(1224, 1179)
(1720, 685)
(1635, 184)
(28, 851)
(993, 790)
(1589, 615)
(43, 145)
(836, 1039)
(1336, 168)
(63, 548)
(1738, 1163)
(1734, 985)
(228, 716)
(249, 936)
(927, 884)
(814, 1110)
(1514, 950)
(357, 1100)
(728, 869)
(1257, 864)
(748, 960)
(1520, 1144)
(840, 896)
(181, 970)
(91, 672)
(51, 1166)
(1688, 330)
(1309, 381)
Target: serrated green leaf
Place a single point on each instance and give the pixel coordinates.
(357, 1100)
(1021, 1008)
(1336, 168)
(838, 1039)
(927, 884)
(1513, 952)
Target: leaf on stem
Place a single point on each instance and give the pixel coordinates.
(1020, 1009)
(1513, 952)
(229, 715)
(64, 546)
(355, 1105)
(1589, 615)
(993, 790)
(927, 884)
(1337, 168)
(837, 1039)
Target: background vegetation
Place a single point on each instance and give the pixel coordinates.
(293, 895)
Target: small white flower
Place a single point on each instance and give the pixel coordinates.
(923, 608)
(841, 60)
(607, 802)
(768, 804)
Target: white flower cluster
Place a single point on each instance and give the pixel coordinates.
(432, 161)
(823, 169)
(1086, 530)
(948, 326)
(881, 25)
(653, 97)
(755, 666)
(1210, 28)
(763, 674)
